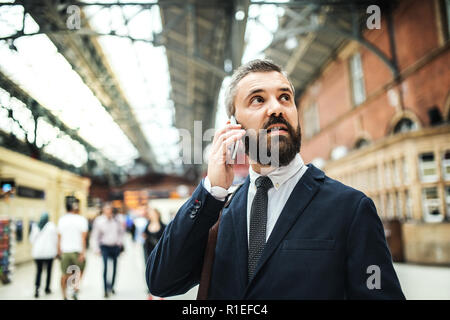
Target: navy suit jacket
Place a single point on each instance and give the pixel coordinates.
(324, 245)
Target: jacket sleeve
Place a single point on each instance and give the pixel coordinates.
(370, 272)
(174, 266)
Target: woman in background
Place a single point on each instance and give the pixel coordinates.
(44, 240)
(152, 233)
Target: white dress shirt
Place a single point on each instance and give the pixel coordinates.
(284, 180)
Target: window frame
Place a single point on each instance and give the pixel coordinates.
(414, 126)
(357, 79)
(311, 120)
(427, 203)
(422, 167)
(444, 19)
(445, 163)
(447, 16)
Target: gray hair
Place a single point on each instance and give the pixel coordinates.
(258, 65)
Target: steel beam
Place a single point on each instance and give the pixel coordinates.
(39, 111)
(237, 32)
(88, 60)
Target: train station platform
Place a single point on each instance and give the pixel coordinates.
(417, 281)
(130, 279)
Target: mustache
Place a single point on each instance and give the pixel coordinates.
(288, 146)
(278, 120)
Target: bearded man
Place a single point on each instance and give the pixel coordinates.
(290, 232)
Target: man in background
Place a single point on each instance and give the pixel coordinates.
(72, 234)
(107, 239)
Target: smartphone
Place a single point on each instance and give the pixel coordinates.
(236, 145)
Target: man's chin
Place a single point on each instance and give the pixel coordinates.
(281, 145)
(280, 154)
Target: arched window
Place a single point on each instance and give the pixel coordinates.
(361, 143)
(405, 125)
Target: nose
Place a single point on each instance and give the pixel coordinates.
(274, 108)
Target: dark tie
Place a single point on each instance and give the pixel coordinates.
(258, 222)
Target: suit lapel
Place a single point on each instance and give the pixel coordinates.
(238, 209)
(303, 193)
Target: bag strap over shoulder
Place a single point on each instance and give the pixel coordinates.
(208, 260)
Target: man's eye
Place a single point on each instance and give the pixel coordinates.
(257, 99)
(285, 97)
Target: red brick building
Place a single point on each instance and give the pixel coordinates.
(335, 118)
(383, 128)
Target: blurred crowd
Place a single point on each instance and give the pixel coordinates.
(104, 234)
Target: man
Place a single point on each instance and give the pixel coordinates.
(107, 239)
(290, 232)
(72, 234)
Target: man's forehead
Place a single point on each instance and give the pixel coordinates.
(263, 80)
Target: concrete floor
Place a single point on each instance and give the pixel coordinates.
(130, 279)
(424, 282)
(418, 282)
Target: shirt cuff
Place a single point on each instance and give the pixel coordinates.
(217, 192)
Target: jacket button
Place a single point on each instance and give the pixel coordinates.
(197, 204)
(193, 213)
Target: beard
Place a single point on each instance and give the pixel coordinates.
(287, 147)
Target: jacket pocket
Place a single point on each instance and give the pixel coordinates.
(307, 244)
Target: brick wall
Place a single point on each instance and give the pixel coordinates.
(424, 64)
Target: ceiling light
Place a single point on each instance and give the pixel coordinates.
(239, 15)
(291, 43)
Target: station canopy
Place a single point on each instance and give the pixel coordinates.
(122, 77)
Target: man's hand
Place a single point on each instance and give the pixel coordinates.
(219, 172)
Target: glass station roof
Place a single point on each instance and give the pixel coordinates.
(141, 69)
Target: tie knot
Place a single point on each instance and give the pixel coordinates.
(263, 182)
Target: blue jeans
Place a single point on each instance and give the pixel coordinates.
(109, 252)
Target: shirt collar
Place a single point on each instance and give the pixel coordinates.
(280, 175)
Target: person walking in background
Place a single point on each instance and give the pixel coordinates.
(152, 233)
(107, 238)
(72, 234)
(140, 222)
(44, 240)
(130, 225)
